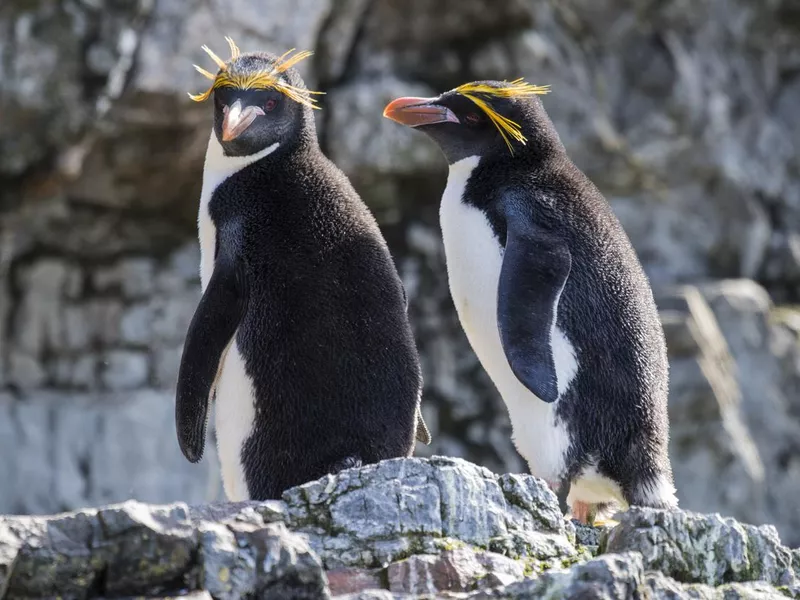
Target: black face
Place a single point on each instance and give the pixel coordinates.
(475, 134)
(247, 121)
(461, 128)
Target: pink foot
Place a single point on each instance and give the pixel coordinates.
(582, 511)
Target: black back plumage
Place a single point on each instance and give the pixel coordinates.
(305, 279)
(615, 408)
(325, 337)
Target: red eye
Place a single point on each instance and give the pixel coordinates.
(472, 118)
(270, 104)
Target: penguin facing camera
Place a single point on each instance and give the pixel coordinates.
(301, 336)
(552, 298)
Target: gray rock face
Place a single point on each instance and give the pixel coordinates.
(684, 114)
(384, 512)
(133, 548)
(703, 549)
(405, 528)
(734, 385)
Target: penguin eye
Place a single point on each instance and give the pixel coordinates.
(270, 104)
(472, 118)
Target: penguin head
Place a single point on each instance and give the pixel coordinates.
(481, 118)
(259, 100)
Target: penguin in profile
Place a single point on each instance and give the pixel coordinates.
(552, 298)
(302, 335)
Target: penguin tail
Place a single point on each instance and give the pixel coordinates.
(349, 462)
(658, 492)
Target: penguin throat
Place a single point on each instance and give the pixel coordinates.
(219, 162)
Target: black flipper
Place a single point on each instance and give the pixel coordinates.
(536, 265)
(210, 334)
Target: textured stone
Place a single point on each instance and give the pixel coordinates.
(263, 561)
(138, 549)
(136, 324)
(38, 325)
(25, 371)
(266, 549)
(132, 277)
(607, 577)
(91, 451)
(458, 570)
(5, 307)
(349, 580)
(708, 430)
(767, 363)
(48, 76)
(388, 511)
(357, 130)
(80, 372)
(125, 370)
(703, 548)
(172, 315)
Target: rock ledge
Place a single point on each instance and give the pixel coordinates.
(404, 528)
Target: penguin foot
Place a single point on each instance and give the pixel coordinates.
(605, 523)
(596, 515)
(584, 512)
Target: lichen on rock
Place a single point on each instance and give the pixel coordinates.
(402, 528)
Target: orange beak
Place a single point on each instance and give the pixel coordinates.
(415, 112)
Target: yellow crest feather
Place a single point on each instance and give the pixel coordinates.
(478, 93)
(264, 80)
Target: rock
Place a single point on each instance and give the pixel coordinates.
(708, 430)
(358, 130)
(91, 451)
(399, 507)
(612, 576)
(38, 327)
(133, 277)
(284, 549)
(135, 325)
(137, 549)
(5, 306)
(25, 370)
(54, 62)
(458, 570)
(125, 370)
(349, 580)
(703, 548)
(767, 361)
(262, 561)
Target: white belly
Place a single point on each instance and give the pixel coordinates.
(474, 259)
(235, 397)
(235, 414)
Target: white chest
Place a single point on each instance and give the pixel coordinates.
(235, 395)
(217, 169)
(474, 260)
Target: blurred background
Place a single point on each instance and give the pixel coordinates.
(686, 114)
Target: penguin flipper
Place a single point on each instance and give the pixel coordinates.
(536, 265)
(210, 334)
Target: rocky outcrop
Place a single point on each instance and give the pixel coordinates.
(684, 114)
(404, 528)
